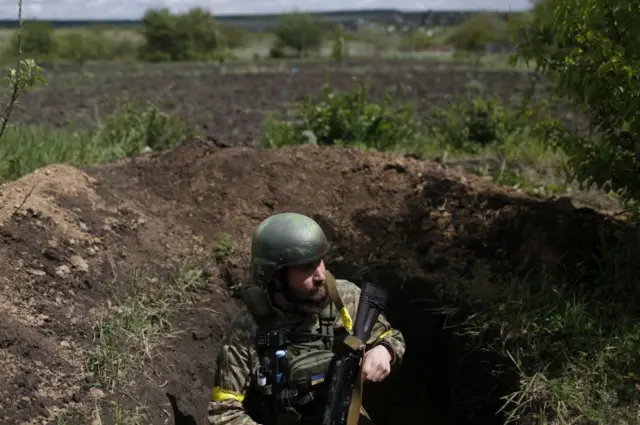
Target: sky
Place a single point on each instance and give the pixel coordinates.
(134, 9)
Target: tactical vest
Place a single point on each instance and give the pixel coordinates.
(289, 387)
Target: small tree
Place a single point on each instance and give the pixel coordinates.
(594, 60)
(339, 48)
(23, 77)
(301, 32)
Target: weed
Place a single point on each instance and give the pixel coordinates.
(130, 129)
(347, 119)
(224, 248)
(120, 416)
(575, 346)
(475, 124)
(128, 333)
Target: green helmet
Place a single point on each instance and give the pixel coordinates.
(285, 240)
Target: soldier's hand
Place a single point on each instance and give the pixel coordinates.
(376, 364)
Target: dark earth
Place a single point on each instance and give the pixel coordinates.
(71, 239)
(230, 104)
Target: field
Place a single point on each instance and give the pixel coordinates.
(231, 103)
(120, 277)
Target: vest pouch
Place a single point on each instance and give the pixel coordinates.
(309, 369)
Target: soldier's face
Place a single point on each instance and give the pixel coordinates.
(307, 283)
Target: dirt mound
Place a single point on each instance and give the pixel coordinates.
(73, 246)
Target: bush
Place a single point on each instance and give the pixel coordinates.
(415, 41)
(475, 121)
(347, 119)
(232, 37)
(474, 34)
(191, 36)
(38, 41)
(301, 32)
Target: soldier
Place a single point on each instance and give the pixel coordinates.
(293, 292)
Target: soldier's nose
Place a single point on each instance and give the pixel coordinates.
(318, 278)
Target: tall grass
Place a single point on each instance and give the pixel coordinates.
(131, 129)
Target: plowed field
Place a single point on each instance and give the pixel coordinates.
(230, 104)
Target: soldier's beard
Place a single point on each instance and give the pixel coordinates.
(311, 303)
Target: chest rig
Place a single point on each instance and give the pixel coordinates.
(294, 359)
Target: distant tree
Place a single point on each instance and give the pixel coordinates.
(474, 34)
(38, 40)
(194, 35)
(301, 32)
(233, 36)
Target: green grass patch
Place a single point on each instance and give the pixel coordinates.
(574, 343)
(129, 130)
(127, 335)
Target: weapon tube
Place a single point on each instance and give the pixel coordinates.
(373, 299)
(372, 302)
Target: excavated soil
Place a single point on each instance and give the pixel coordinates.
(70, 239)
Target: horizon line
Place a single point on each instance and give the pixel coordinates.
(310, 11)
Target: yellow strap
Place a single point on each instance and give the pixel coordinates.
(218, 394)
(353, 417)
(337, 300)
(384, 334)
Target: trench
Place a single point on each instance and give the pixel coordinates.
(441, 381)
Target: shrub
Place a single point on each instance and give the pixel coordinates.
(37, 41)
(476, 120)
(232, 37)
(478, 31)
(415, 40)
(191, 36)
(347, 119)
(301, 32)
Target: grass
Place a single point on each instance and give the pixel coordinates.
(131, 129)
(133, 327)
(120, 416)
(575, 344)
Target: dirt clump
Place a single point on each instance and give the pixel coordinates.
(430, 226)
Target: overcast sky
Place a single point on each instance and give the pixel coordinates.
(134, 9)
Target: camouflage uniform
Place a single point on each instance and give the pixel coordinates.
(238, 357)
(281, 241)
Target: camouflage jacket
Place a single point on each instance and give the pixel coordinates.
(238, 356)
